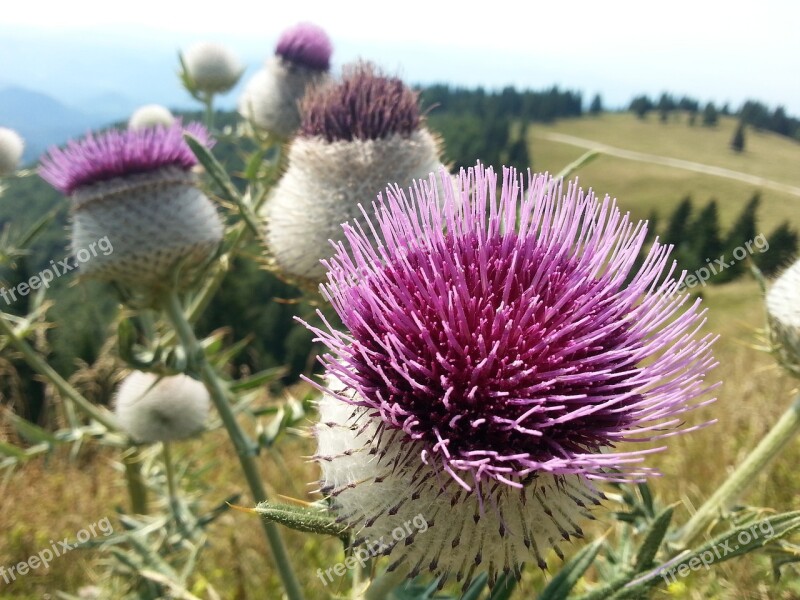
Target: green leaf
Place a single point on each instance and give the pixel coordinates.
(220, 176)
(12, 451)
(476, 587)
(259, 379)
(562, 584)
(504, 586)
(301, 518)
(651, 544)
(742, 539)
(30, 431)
(581, 161)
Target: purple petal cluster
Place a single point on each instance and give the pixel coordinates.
(306, 45)
(513, 332)
(119, 153)
(364, 105)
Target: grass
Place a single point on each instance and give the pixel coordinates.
(644, 188)
(55, 496)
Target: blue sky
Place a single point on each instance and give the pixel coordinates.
(82, 48)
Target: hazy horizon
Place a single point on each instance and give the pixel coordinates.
(85, 49)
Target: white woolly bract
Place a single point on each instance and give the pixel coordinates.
(324, 185)
(212, 67)
(150, 409)
(150, 115)
(155, 222)
(11, 147)
(270, 98)
(399, 505)
(783, 310)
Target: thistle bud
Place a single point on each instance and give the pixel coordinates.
(211, 68)
(270, 99)
(783, 313)
(356, 136)
(150, 115)
(135, 190)
(153, 409)
(11, 147)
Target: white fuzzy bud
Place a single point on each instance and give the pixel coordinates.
(150, 115)
(150, 409)
(11, 147)
(270, 98)
(212, 68)
(783, 310)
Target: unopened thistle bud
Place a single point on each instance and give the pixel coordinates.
(11, 147)
(270, 99)
(150, 115)
(783, 312)
(153, 409)
(211, 68)
(136, 190)
(357, 135)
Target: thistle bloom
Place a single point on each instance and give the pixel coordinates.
(783, 312)
(150, 115)
(211, 68)
(355, 137)
(153, 409)
(11, 147)
(135, 189)
(302, 59)
(499, 349)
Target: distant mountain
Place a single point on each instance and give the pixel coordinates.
(42, 120)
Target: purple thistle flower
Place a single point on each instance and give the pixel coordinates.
(115, 153)
(499, 349)
(134, 191)
(307, 45)
(365, 105)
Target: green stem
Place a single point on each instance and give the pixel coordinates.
(137, 490)
(39, 365)
(169, 472)
(769, 447)
(208, 101)
(245, 448)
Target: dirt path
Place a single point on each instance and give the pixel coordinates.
(669, 162)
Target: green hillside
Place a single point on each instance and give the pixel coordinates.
(642, 187)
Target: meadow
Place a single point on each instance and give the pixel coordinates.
(54, 496)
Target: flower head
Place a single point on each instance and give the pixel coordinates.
(153, 409)
(115, 153)
(306, 45)
(270, 99)
(11, 147)
(783, 311)
(134, 191)
(211, 68)
(356, 136)
(364, 105)
(150, 115)
(498, 351)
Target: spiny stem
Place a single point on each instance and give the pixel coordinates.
(769, 447)
(245, 448)
(137, 490)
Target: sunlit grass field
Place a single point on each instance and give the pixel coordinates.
(55, 496)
